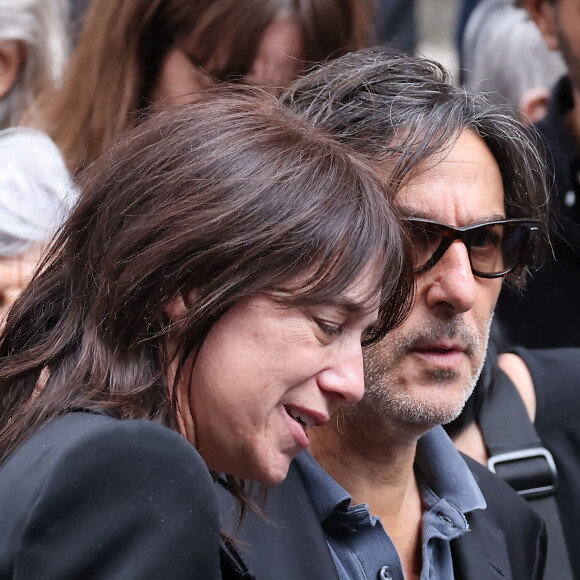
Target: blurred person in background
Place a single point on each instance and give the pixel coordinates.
(139, 55)
(33, 178)
(33, 53)
(522, 422)
(396, 24)
(34, 197)
(504, 55)
(547, 315)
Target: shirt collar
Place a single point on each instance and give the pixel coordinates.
(438, 463)
(441, 467)
(326, 494)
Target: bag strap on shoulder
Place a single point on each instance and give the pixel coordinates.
(517, 455)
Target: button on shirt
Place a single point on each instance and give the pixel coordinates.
(358, 542)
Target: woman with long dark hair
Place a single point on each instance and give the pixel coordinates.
(202, 308)
(138, 55)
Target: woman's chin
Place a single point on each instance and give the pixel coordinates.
(271, 473)
(276, 477)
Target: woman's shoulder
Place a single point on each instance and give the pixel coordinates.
(123, 485)
(141, 452)
(555, 374)
(74, 432)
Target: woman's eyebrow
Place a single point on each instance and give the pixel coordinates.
(357, 307)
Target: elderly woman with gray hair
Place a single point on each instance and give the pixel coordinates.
(34, 196)
(33, 52)
(33, 178)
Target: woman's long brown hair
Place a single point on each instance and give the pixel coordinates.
(229, 197)
(122, 46)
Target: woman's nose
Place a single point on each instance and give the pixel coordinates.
(344, 375)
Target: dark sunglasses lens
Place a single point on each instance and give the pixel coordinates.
(516, 240)
(494, 249)
(485, 245)
(425, 239)
(498, 248)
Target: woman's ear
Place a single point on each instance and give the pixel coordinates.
(12, 55)
(176, 310)
(543, 13)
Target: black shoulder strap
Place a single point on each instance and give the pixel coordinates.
(516, 454)
(232, 565)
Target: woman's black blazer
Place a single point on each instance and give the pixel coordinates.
(90, 497)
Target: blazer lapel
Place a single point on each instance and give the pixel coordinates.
(481, 553)
(288, 542)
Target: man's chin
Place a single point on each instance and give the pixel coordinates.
(426, 411)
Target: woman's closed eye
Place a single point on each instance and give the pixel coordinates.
(329, 328)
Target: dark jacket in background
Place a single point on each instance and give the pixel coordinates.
(548, 313)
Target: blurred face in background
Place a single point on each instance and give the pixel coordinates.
(12, 55)
(559, 23)
(279, 57)
(567, 27)
(277, 62)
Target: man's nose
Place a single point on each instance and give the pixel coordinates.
(343, 377)
(451, 282)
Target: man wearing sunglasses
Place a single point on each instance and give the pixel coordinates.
(385, 485)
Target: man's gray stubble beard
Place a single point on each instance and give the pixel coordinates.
(384, 398)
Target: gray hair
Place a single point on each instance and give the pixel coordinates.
(34, 190)
(504, 53)
(41, 25)
(403, 109)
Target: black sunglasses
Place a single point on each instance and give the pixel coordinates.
(494, 248)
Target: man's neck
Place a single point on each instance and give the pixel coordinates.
(378, 471)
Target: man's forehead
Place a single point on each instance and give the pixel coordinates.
(460, 185)
(433, 213)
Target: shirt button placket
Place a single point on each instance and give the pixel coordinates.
(385, 573)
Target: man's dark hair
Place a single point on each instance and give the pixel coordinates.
(400, 110)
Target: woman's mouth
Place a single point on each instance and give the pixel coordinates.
(301, 419)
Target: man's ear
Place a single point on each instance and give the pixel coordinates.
(12, 55)
(543, 13)
(534, 105)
